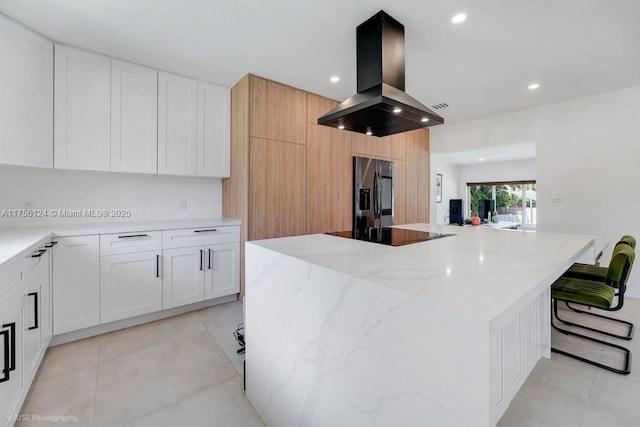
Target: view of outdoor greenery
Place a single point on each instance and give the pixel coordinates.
(511, 200)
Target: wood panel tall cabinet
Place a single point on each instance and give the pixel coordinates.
(291, 176)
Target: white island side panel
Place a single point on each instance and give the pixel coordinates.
(328, 349)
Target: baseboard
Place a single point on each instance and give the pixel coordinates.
(138, 320)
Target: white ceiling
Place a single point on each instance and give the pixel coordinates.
(482, 67)
(496, 153)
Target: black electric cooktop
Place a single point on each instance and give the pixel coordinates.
(390, 236)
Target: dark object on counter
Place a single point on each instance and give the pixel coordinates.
(455, 211)
(390, 236)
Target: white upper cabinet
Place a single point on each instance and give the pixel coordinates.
(177, 125)
(82, 138)
(214, 122)
(26, 97)
(134, 118)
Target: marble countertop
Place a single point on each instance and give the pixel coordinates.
(14, 240)
(481, 271)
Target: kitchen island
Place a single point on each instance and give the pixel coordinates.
(443, 332)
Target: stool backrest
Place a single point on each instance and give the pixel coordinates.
(620, 266)
(629, 240)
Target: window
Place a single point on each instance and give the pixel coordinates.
(514, 201)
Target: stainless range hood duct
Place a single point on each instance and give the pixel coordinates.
(381, 107)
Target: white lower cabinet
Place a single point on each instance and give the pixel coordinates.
(196, 273)
(222, 274)
(35, 298)
(183, 276)
(25, 329)
(516, 347)
(130, 285)
(76, 283)
(11, 372)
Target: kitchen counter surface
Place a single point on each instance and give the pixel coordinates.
(14, 240)
(441, 332)
(480, 271)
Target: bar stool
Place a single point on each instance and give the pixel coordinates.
(595, 294)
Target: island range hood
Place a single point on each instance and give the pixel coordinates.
(381, 107)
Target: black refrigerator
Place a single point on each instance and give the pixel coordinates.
(372, 194)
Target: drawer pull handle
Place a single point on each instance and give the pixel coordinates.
(35, 310)
(7, 365)
(205, 231)
(39, 254)
(50, 244)
(133, 235)
(9, 343)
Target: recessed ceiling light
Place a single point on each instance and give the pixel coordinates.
(334, 79)
(460, 17)
(533, 86)
(397, 110)
(341, 127)
(481, 159)
(369, 133)
(424, 119)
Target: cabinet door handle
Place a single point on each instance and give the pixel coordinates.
(210, 251)
(12, 341)
(35, 310)
(157, 265)
(201, 259)
(50, 244)
(39, 254)
(133, 235)
(205, 231)
(7, 365)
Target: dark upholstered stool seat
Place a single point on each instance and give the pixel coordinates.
(587, 292)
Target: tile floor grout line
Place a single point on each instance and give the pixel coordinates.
(179, 401)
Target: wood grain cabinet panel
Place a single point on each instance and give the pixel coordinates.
(317, 106)
(399, 192)
(398, 144)
(417, 189)
(371, 146)
(329, 179)
(278, 112)
(277, 190)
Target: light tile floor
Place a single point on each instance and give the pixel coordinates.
(565, 392)
(178, 371)
(185, 371)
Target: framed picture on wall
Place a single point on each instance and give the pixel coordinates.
(438, 188)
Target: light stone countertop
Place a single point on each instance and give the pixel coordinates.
(481, 271)
(14, 240)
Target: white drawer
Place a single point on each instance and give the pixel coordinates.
(200, 236)
(10, 274)
(14, 269)
(124, 243)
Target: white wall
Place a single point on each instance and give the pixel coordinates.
(150, 197)
(450, 190)
(587, 152)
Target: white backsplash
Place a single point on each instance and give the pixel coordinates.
(60, 192)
